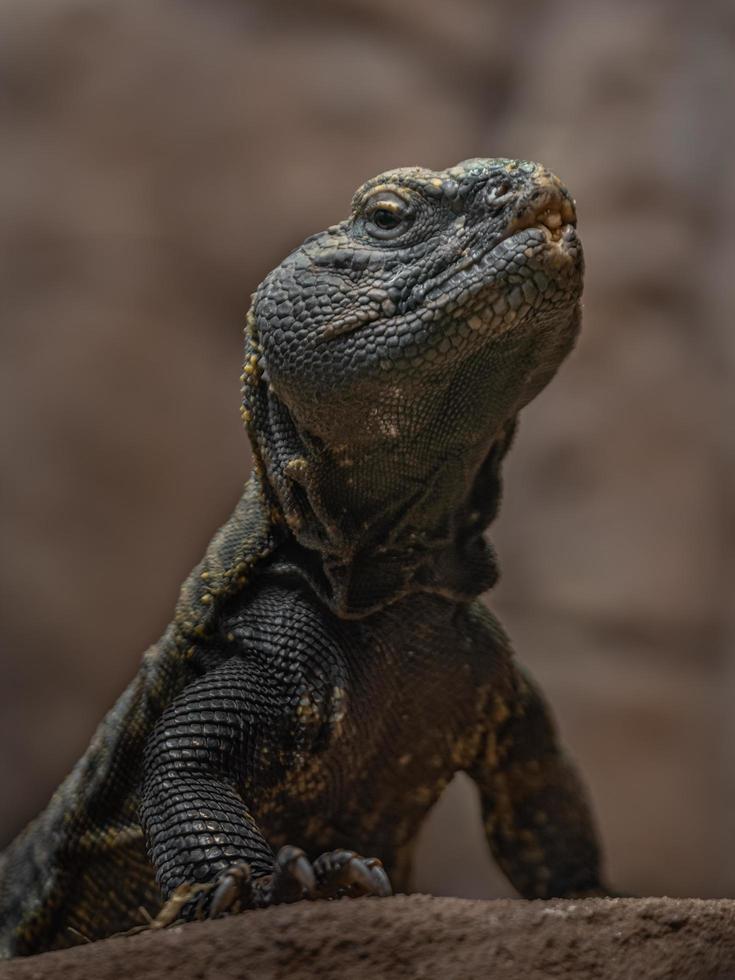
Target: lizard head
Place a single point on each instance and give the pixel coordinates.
(470, 276)
(399, 344)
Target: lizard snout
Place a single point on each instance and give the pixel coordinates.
(546, 203)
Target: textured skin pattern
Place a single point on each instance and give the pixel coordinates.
(329, 667)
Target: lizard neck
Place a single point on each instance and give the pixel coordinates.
(370, 527)
(363, 556)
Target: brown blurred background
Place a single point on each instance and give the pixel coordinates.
(158, 159)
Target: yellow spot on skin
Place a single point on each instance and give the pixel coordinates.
(501, 712)
(207, 599)
(307, 710)
(338, 708)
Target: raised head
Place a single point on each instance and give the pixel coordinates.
(389, 354)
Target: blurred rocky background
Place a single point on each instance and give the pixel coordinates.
(158, 159)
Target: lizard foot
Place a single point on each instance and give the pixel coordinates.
(333, 875)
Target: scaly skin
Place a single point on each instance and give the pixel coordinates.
(330, 667)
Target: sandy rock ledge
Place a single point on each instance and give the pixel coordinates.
(421, 936)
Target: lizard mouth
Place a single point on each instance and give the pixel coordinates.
(554, 214)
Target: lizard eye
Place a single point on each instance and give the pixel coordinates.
(387, 216)
(385, 220)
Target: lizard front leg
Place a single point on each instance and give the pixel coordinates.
(209, 854)
(535, 811)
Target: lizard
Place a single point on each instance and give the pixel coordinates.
(330, 665)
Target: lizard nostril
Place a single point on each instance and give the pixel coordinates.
(497, 189)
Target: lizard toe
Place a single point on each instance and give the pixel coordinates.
(345, 873)
(292, 878)
(230, 892)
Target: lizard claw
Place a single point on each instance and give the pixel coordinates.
(356, 872)
(346, 873)
(333, 875)
(234, 886)
(381, 881)
(304, 874)
(230, 892)
(292, 877)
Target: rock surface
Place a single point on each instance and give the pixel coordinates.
(421, 936)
